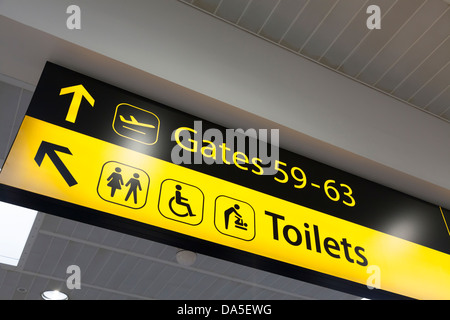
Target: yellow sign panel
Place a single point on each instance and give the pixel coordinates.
(92, 173)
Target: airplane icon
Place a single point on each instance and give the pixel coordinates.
(136, 124)
(133, 121)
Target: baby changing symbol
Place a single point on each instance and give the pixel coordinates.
(234, 218)
(239, 223)
(123, 184)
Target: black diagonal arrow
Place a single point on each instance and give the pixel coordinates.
(49, 149)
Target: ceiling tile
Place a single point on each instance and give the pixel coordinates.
(426, 71)
(282, 17)
(207, 5)
(232, 10)
(421, 50)
(406, 58)
(306, 23)
(334, 23)
(401, 41)
(440, 104)
(432, 88)
(256, 14)
(392, 20)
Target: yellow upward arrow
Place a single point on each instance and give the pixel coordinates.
(78, 93)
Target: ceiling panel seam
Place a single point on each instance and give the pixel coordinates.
(364, 39)
(343, 29)
(445, 111)
(371, 86)
(318, 26)
(174, 264)
(429, 80)
(293, 22)
(15, 82)
(419, 65)
(244, 11)
(218, 6)
(409, 48)
(437, 97)
(268, 17)
(390, 39)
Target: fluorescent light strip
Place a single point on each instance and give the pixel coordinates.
(15, 226)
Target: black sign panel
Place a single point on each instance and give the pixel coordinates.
(69, 100)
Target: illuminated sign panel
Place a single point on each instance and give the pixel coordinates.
(95, 153)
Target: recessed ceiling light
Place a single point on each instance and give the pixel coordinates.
(186, 257)
(54, 295)
(22, 290)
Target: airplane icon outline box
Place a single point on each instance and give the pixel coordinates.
(136, 124)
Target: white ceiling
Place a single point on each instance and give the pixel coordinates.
(408, 58)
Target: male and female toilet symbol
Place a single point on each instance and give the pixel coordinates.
(116, 183)
(123, 184)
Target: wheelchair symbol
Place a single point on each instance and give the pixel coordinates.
(181, 202)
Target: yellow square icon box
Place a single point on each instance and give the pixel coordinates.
(123, 185)
(136, 124)
(181, 202)
(234, 218)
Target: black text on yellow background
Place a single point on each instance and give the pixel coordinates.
(98, 154)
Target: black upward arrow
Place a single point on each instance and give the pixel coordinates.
(49, 149)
